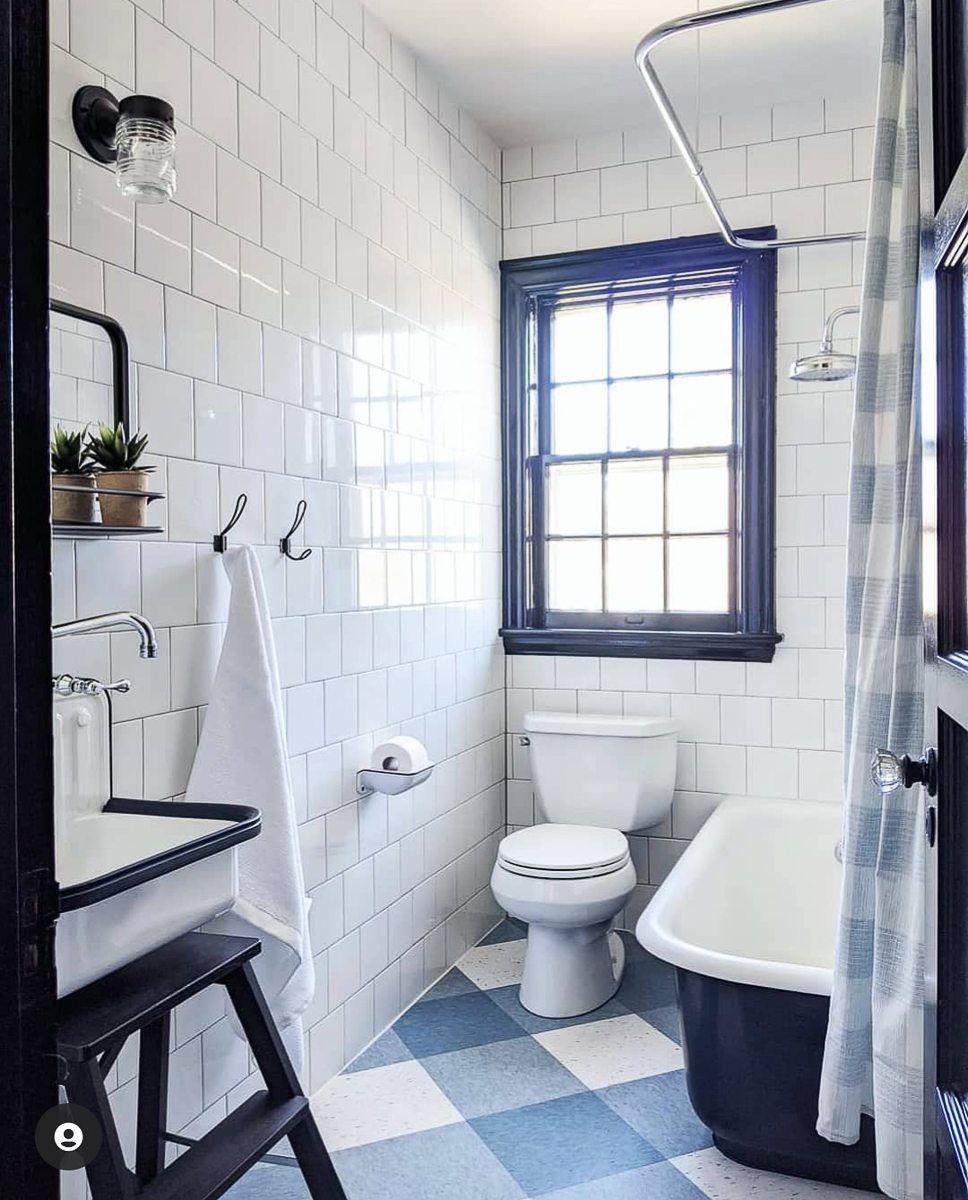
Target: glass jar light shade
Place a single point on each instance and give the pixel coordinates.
(145, 146)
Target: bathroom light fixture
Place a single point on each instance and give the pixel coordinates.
(137, 134)
(828, 364)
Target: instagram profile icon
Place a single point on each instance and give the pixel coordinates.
(68, 1137)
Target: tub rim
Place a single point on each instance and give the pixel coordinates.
(654, 932)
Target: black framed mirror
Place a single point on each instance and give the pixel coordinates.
(88, 369)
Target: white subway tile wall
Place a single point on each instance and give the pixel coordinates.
(314, 317)
(762, 729)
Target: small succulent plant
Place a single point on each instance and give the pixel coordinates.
(68, 453)
(112, 450)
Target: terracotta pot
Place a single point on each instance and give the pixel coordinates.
(129, 511)
(72, 506)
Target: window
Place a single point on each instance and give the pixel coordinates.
(639, 393)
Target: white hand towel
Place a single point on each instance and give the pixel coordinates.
(243, 759)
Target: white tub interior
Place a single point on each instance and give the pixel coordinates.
(754, 898)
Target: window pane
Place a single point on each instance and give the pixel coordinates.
(579, 419)
(634, 575)
(575, 576)
(635, 497)
(702, 410)
(702, 332)
(575, 499)
(579, 341)
(639, 415)
(640, 338)
(698, 494)
(699, 574)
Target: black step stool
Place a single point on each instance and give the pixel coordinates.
(95, 1022)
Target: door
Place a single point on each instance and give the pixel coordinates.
(28, 1075)
(944, 315)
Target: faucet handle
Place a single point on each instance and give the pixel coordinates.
(122, 685)
(94, 687)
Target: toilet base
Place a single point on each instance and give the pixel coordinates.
(569, 972)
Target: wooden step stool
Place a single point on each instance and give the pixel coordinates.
(93, 1026)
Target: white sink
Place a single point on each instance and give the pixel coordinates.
(133, 874)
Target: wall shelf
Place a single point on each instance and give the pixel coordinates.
(94, 529)
(97, 529)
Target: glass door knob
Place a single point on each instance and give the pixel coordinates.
(890, 771)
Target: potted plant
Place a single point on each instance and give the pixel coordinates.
(115, 457)
(70, 466)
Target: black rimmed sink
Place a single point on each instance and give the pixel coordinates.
(137, 873)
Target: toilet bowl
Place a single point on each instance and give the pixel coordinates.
(570, 876)
(567, 882)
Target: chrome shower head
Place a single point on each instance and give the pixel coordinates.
(828, 364)
(824, 367)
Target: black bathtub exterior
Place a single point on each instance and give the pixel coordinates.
(753, 1058)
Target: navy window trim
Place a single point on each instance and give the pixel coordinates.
(528, 287)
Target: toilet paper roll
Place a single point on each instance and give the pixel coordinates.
(403, 754)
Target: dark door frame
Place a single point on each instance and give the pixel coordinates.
(944, 355)
(28, 1081)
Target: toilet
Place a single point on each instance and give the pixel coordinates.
(595, 778)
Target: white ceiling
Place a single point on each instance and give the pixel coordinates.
(532, 70)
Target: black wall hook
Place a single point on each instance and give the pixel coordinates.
(221, 540)
(285, 544)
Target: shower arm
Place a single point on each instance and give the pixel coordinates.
(698, 21)
(849, 310)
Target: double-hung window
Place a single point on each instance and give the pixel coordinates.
(639, 390)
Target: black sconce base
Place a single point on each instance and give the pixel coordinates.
(95, 114)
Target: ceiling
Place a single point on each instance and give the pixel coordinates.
(534, 70)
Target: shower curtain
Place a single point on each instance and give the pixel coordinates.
(873, 1059)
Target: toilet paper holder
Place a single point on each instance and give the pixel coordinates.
(390, 782)
(396, 765)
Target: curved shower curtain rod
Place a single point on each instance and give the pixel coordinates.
(697, 21)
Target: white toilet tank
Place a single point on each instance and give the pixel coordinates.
(615, 772)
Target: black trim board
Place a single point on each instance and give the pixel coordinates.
(618, 643)
(28, 898)
(944, 190)
(526, 286)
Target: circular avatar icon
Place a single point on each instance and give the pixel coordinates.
(68, 1137)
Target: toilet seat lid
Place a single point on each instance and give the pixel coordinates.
(567, 850)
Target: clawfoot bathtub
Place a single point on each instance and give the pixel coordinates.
(748, 919)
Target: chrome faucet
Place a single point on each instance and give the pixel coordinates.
(149, 644)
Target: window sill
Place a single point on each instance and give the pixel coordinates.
(621, 643)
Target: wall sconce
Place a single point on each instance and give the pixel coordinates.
(137, 134)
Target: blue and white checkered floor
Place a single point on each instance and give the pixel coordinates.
(471, 1097)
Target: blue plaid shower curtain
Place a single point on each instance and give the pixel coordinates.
(873, 1057)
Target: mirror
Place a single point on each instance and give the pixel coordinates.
(88, 369)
